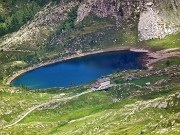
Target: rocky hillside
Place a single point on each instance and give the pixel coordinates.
(37, 31)
(156, 19)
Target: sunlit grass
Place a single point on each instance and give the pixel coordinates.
(171, 41)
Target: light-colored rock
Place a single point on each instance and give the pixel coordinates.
(163, 105)
(150, 25)
(84, 10)
(149, 4)
(155, 24)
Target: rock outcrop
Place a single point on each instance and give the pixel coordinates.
(84, 10)
(109, 8)
(153, 22)
(172, 101)
(150, 25)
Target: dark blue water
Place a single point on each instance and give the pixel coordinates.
(79, 70)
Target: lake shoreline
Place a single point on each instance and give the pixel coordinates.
(146, 62)
(19, 73)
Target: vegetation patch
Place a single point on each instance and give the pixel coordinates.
(167, 63)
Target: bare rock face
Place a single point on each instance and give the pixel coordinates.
(150, 25)
(84, 10)
(155, 23)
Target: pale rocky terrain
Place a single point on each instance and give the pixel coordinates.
(152, 24)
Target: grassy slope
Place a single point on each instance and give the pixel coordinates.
(96, 33)
(171, 41)
(106, 112)
(115, 118)
(15, 101)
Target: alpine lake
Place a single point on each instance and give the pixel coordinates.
(78, 71)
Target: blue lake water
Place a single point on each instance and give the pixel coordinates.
(79, 71)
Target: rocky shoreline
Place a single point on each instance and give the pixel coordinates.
(154, 57)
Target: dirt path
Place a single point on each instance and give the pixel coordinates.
(44, 104)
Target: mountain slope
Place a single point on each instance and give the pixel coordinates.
(152, 20)
(38, 30)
